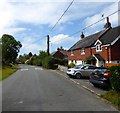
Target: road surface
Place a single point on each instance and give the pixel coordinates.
(32, 88)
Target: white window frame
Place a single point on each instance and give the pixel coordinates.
(82, 51)
(98, 48)
(72, 53)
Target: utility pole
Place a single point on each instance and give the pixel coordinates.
(48, 40)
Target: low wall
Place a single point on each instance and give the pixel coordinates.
(110, 64)
(62, 68)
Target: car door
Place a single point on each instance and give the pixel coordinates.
(87, 71)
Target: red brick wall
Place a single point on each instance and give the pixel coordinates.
(78, 55)
(112, 53)
(104, 53)
(115, 51)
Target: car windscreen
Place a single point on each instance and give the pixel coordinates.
(78, 66)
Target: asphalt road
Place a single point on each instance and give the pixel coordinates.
(35, 89)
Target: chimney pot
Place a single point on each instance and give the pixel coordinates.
(82, 35)
(108, 24)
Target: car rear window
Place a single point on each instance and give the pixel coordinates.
(100, 71)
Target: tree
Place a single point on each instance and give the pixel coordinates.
(42, 55)
(10, 49)
(30, 54)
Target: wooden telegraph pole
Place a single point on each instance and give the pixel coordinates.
(48, 45)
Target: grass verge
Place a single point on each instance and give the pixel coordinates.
(113, 97)
(6, 71)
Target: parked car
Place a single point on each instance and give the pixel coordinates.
(83, 71)
(100, 77)
(70, 72)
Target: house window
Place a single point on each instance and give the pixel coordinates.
(82, 51)
(98, 48)
(72, 53)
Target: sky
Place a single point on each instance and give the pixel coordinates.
(30, 21)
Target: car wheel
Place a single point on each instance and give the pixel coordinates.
(78, 75)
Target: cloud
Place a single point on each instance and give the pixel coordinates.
(61, 38)
(17, 17)
(28, 45)
(106, 12)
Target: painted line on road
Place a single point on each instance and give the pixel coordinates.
(75, 81)
(90, 90)
(38, 69)
(23, 69)
(62, 75)
(79, 84)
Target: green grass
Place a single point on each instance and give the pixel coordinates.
(6, 71)
(113, 97)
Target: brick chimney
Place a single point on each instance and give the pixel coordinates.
(82, 36)
(108, 24)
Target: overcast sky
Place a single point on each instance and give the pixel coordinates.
(29, 21)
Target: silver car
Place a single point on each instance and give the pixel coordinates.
(85, 70)
(71, 71)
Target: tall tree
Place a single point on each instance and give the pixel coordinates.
(10, 49)
(30, 54)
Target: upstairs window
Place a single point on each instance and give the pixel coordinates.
(83, 51)
(98, 48)
(72, 53)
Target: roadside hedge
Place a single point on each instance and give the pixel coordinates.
(50, 62)
(115, 77)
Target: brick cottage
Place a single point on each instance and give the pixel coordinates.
(104, 46)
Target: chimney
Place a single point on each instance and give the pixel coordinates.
(82, 35)
(108, 24)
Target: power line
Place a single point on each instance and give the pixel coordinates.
(101, 19)
(61, 16)
(58, 20)
(88, 26)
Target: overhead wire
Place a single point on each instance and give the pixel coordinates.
(62, 15)
(57, 20)
(88, 26)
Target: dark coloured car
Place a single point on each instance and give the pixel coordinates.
(100, 77)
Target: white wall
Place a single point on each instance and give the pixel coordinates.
(77, 62)
(114, 62)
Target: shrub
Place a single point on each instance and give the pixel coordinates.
(115, 77)
(62, 61)
(49, 62)
(71, 65)
(90, 60)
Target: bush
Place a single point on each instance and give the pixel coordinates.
(71, 65)
(115, 77)
(62, 61)
(49, 62)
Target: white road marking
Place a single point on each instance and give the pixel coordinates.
(79, 84)
(74, 81)
(23, 69)
(20, 102)
(38, 69)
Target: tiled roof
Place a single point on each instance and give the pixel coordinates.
(110, 36)
(105, 36)
(64, 52)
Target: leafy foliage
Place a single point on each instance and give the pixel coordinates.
(90, 60)
(71, 65)
(115, 77)
(50, 62)
(10, 49)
